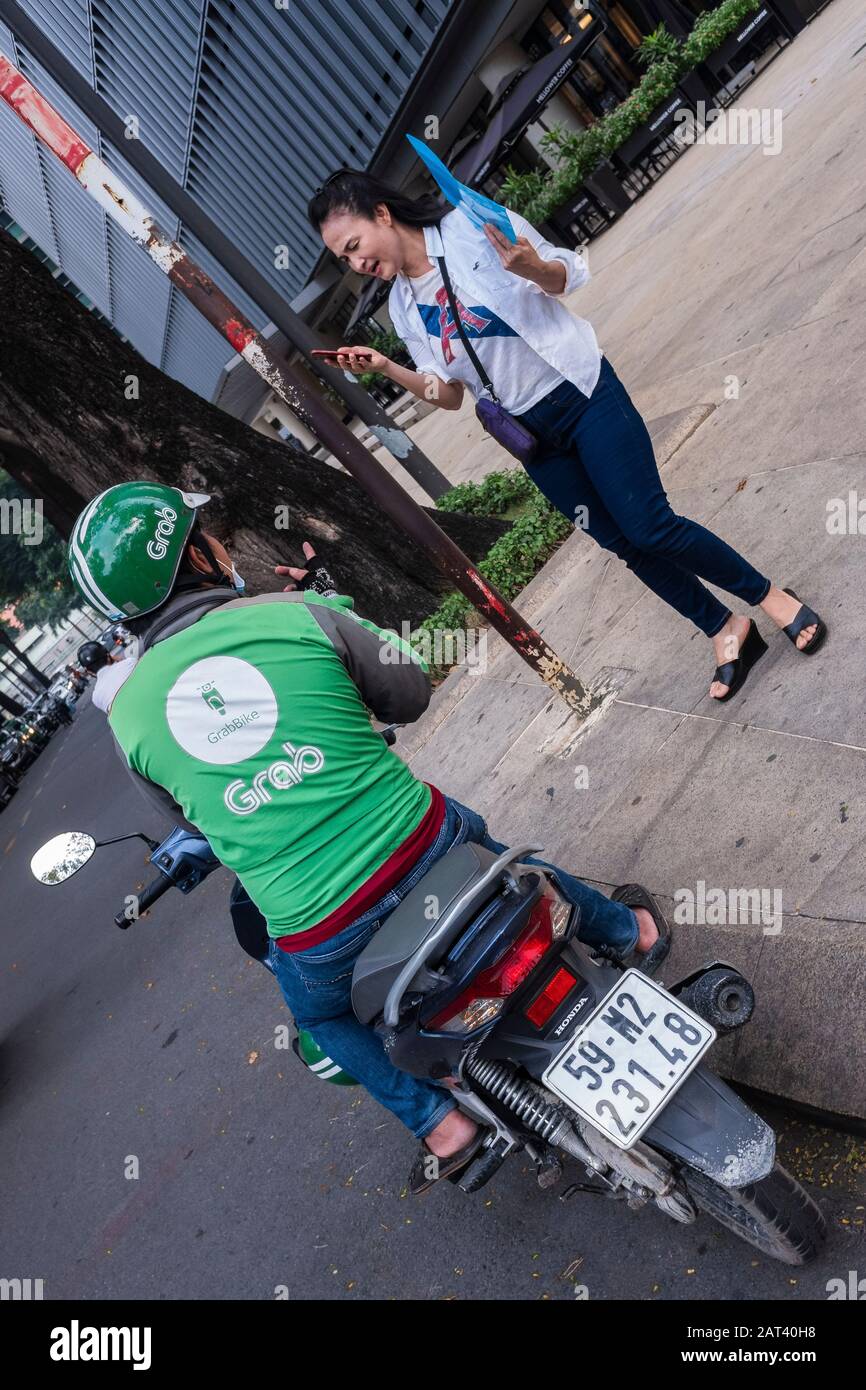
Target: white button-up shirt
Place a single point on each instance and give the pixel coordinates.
(565, 341)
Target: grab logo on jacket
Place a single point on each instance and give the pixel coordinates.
(221, 710)
(279, 776)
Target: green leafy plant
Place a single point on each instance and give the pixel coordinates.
(658, 45)
(518, 555)
(578, 153)
(713, 27)
(494, 494)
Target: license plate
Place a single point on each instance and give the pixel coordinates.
(623, 1064)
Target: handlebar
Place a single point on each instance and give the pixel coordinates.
(146, 897)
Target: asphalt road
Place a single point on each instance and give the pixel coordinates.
(155, 1048)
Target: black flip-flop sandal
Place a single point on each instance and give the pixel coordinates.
(647, 962)
(807, 617)
(733, 673)
(419, 1181)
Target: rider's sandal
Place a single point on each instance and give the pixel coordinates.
(806, 617)
(733, 673)
(419, 1181)
(648, 962)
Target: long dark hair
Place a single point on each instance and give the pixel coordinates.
(353, 190)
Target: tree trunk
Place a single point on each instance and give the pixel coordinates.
(22, 686)
(11, 706)
(38, 676)
(70, 431)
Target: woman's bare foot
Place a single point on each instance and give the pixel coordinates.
(727, 645)
(648, 932)
(783, 610)
(451, 1134)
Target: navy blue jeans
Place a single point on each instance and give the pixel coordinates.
(317, 983)
(596, 452)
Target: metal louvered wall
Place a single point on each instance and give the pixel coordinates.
(248, 105)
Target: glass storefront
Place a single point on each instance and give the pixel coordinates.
(609, 71)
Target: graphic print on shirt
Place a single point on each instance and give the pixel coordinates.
(478, 322)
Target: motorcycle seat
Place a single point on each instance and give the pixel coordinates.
(413, 921)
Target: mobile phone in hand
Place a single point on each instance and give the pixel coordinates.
(332, 353)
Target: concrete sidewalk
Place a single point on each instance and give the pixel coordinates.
(748, 270)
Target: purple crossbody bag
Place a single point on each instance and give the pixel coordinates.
(495, 419)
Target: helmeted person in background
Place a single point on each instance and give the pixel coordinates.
(110, 669)
(249, 718)
(94, 657)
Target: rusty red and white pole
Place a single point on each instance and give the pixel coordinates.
(124, 208)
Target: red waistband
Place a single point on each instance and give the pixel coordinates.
(395, 867)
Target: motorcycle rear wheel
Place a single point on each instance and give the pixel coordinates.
(775, 1214)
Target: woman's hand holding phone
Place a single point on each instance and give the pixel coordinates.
(355, 359)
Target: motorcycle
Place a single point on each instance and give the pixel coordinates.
(477, 982)
(45, 715)
(53, 710)
(28, 739)
(65, 691)
(70, 683)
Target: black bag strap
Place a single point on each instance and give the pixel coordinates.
(470, 351)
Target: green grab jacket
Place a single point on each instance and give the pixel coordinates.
(254, 719)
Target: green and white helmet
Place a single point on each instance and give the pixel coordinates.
(126, 546)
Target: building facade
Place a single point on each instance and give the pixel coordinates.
(248, 105)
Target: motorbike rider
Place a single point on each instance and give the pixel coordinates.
(94, 657)
(249, 719)
(110, 669)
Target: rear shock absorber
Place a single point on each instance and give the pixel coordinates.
(529, 1106)
(522, 1100)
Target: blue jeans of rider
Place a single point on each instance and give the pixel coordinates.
(316, 984)
(596, 452)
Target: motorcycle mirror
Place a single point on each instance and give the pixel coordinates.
(62, 857)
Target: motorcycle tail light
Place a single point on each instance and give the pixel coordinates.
(477, 1012)
(550, 998)
(485, 997)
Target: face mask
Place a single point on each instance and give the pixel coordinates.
(238, 583)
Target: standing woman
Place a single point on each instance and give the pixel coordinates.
(594, 450)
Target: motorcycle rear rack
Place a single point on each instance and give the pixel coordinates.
(428, 945)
